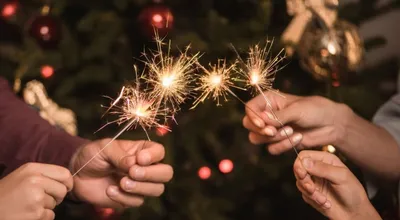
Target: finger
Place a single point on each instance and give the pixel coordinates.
(321, 156)
(49, 202)
(305, 189)
(123, 198)
(48, 215)
(54, 189)
(318, 137)
(321, 169)
(141, 188)
(121, 154)
(266, 130)
(273, 136)
(286, 144)
(254, 111)
(158, 173)
(151, 153)
(57, 173)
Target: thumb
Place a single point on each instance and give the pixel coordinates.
(320, 169)
(120, 158)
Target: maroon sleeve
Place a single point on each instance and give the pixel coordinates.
(26, 137)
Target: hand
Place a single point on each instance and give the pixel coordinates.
(317, 121)
(121, 175)
(331, 188)
(33, 190)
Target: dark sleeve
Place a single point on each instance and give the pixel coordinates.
(26, 137)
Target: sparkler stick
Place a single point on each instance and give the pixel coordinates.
(134, 108)
(259, 73)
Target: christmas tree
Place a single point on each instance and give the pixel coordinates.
(82, 50)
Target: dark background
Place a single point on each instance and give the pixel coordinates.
(93, 46)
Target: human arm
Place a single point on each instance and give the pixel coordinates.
(329, 186)
(26, 137)
(317, 121)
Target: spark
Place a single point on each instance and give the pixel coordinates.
(259, 72)
(216, 82)
(170, 76)
(137, 107)
(260, 69)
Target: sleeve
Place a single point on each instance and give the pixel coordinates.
(387, 117)
(26, 137)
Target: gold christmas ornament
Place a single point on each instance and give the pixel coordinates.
(329, 48)
(35, 94)
(332, 54)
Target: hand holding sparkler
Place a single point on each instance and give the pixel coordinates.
(259, 73)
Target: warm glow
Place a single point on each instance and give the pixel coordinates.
(216, 80)
(167, 80)
(141, 111)
(157, 18)
(226, 166)
(47, 71)
(331, 149)
(9, 10)
(204, 173)
(254, 77)
(44, 30)
(332, 48)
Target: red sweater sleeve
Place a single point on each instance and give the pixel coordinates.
(26, 137)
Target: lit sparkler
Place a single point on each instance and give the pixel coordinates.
(135, 109)
(215, 83)
(170, 76)
(259, 72)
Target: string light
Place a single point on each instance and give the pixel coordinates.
(226, 166)
(47, 71)
(9, 10)
(204, 172)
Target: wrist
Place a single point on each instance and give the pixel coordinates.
(343, 119)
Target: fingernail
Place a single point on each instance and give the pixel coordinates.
(129, 184)
(287, 131)
(297, 138)
(268, 131)
(307, 163)
(270, 116)
(113, 191)
(146, 158)
(258, 123)
(139, 172)
(327, 205)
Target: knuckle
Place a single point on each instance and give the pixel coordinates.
(33, 180)
(37, 197)
(38, 213)
(29, 166)
(65, 173)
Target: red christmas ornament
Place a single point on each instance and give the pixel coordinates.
(47, 71)
(9, 9)
(204, 173)
(226, 166)
(46, 30)
(156, 17)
